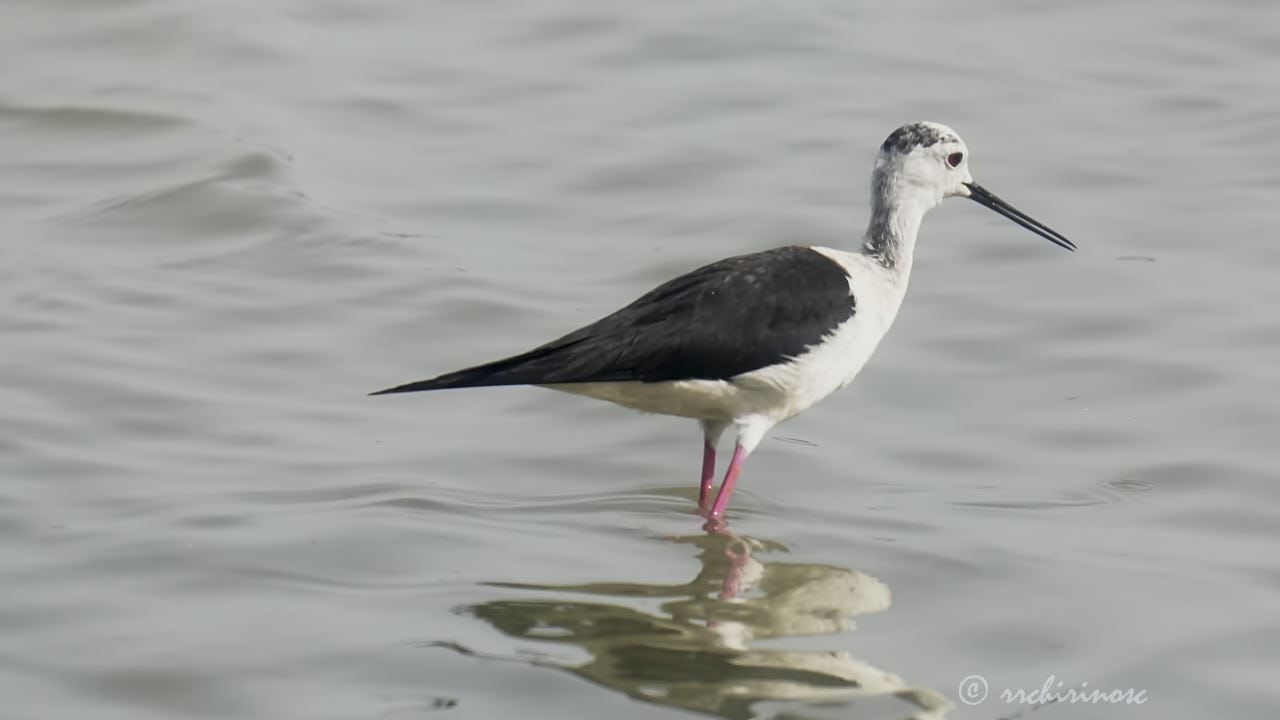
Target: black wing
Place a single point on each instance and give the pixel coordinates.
(721, 320)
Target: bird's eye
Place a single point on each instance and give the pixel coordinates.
(954, 159)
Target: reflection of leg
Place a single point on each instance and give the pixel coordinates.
(730, 479)
(708, 473)
(732, 584)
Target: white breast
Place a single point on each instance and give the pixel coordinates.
(831, 364)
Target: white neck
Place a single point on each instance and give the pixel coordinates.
(896, 213)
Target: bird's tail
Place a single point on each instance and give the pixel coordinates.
(536, 367)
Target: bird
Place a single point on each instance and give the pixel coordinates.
(747, 342)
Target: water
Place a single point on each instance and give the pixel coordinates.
(223, 223)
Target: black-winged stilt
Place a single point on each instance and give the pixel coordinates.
(750, 341)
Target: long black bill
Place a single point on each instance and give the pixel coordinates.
(983, 196)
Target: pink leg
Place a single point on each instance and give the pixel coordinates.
(730, 479)
(708, 472)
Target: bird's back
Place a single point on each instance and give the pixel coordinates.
(722, 320)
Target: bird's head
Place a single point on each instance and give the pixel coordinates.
(927, 162)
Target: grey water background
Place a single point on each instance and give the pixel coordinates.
(224, 222)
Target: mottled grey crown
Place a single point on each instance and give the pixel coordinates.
(915, 135)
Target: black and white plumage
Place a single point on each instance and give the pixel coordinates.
(721, 320)
(750, 341)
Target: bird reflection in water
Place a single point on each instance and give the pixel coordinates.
(693, 651)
